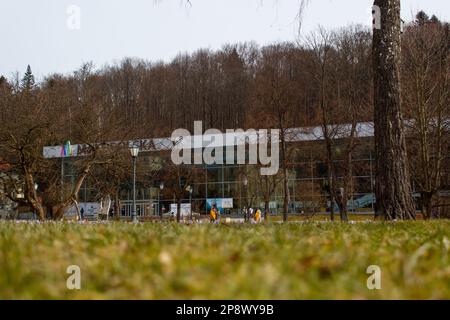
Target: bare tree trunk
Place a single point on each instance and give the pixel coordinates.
(347, 189)
(266, 209)
(393, 189)
(330, 167)
(31, 196)
(116, 205)
(286, 199)
(60, 210)
(427, 204)
(343, 212)
(341, 201)
(286, 195)
(267, 193)
(332, 188)
(77, 207)
(178, 209)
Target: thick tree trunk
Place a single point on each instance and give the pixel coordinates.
(343, 211)
(429, 208)
(393, 189)
(427, 205)
(32, 197)
(341, 201)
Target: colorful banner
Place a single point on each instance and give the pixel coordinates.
(220, 203)
(67, 150)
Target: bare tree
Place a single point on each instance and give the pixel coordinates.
(276, 102)
(267, 185)
(25, 130)
(323, 54)
(353, 101)
(426, 94)
(177, 179)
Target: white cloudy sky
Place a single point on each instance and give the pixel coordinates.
(35, 32)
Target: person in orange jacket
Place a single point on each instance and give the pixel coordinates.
(213, 214)
(258, 216)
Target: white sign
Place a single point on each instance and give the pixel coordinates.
(89, 209)
(227, 203)
(185, 209)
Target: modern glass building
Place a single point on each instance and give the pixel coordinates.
(240, 186)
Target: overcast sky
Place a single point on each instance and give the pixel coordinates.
(44, 34)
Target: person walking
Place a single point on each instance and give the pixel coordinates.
(213, 214)
(258, 216)
(218, 215)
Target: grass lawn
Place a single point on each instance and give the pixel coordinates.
(274, 261)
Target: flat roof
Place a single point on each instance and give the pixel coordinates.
(232, 138)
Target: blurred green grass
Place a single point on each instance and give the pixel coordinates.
(274, 261)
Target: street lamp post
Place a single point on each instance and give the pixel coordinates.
(245, 182)
(161, 188)
(36, 186)
(134, 154)
(190, 189)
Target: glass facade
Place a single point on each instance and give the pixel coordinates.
(308, 176)
(308, 184)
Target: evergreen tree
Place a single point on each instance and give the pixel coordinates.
(422, 18)
(28, 80)
(435, 19)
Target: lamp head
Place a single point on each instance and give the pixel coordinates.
(134, 150)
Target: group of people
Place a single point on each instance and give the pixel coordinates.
(214, 215)
(252, 216)
(249, 215)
